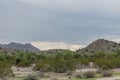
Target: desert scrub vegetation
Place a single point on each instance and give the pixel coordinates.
(24, 59)
(58, 61)
(5, 69)
(88, 74)
(64, 60)
(6, 63)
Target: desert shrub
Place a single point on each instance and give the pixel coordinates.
(17, 60)
(85, 61)
(68, 55)
(59, 66)
(77, 55)
(42, 65)
(5, 69)
(2, 56)
(22, 62)
(78, 75)
(106, 73)
(30, 77)
(89, 74)
(32, 59)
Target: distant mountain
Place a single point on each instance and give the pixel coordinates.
(19, 46)
(100, 45)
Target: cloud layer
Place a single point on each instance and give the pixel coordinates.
(78, 21)
(42, 45)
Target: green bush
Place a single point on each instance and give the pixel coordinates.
(43, 65)
(59, 66)
(24, 60)
(2, 56)
(5, 69)
(17, 60)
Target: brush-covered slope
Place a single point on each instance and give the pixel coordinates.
(100, 45)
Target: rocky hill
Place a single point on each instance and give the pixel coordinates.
(19, 46)
(100, 45)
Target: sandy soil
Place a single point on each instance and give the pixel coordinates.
(110, 78)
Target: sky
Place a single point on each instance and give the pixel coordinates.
(71, 21)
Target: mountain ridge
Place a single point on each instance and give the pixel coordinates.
(19, 46)
(99, 45)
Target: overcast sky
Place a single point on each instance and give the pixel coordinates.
(72, 21)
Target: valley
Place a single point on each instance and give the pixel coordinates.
(98, 61)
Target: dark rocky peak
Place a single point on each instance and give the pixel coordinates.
(19, 46)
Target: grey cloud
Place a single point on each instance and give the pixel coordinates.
(75, 21)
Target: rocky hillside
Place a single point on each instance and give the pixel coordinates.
(19, 46)
(100, 45)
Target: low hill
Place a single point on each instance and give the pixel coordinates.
(100, 45)
(53, 51)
